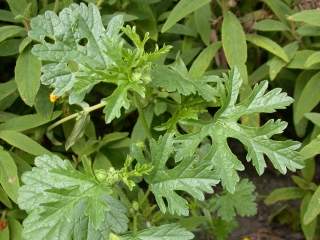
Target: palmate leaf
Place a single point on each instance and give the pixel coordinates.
(190, 175)
(257, 140)
(64, 203)
(164, 232)
(242, 202)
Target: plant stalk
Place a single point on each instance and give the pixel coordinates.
(72, 116)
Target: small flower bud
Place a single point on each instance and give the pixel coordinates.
(101, 175)
(53, 98)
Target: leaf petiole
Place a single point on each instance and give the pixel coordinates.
(72, 116)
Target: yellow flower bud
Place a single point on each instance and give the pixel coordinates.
(53, 98)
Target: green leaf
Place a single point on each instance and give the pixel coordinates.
(15, 229)
(202, 19)
(269, 45)
(78, 129)
(314, 118)
(5, 234)
(284, 194)
(257, 140)
(241, 202)
(307, 31)
(309, 230)
(6, 89)
(223, 229)
(282, 154)
(23, 142)
(232, 32)
(163, 232)
(313, 59)
(313, 209)
(42, 103)
(75, 63)
(180, 29)
(181, 10)
(7, 16)
(308, 172)
(309, 98)
(139, 133)
(202, 62)
(311, 149)
(4, 198)
(301, 182)
(24, 43)
(115, 102)
(310, 16)
(276, 64)
(11, 31)
(270, 25)
(300, 58)
(27, 76)
(80, 53)
(18, 7)
(190, 175)
(9, 175)
(5, 116)
(54, 190)
(32, 8)
(192, 222)
(177, 78)
(280, 9)
(300, 83)
(148, 22)
(28, 121)
(9, 47)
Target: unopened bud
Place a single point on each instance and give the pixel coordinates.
(53, 98)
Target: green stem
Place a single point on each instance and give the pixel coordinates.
(72, 116)
(99, 3)
(44, 4)
(3, 214)
(142, 116)
(135, 225)
(145, 197)
(56, 6)
(26, 24)
(223, 5)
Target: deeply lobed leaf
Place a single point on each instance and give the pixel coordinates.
(242, 202)
(62, 201)
(190, 175)
(257, 140)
